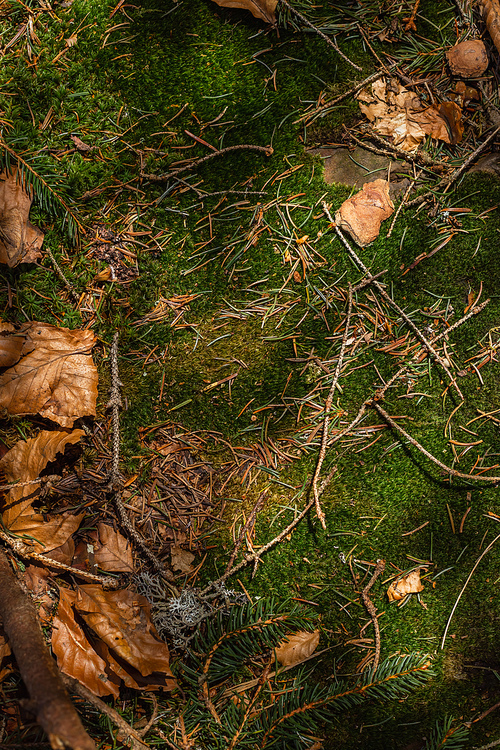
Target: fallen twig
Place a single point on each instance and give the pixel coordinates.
(267, 150)
(48, 699)
(393, 304)
(372, 610)
(416, 444)
(321, 111)
(326, 419)
(115, 482)
(318, 31)
(490, 545)
(126, 734)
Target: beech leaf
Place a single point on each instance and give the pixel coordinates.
(400, 114)
(23, 463)
(74, 653)
(52, 374)
(20, 241)
(122, 620)
(297, 647)
(263, 9)
(114, 553)
(401, 587)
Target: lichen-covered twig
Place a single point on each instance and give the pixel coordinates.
(23, 550)
(48, 700)
(115, 482)
(372, 610)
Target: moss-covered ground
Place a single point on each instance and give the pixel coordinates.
(136, 85)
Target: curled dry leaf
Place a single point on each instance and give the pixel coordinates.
(74, 653)
(399, 114)
(181, 559)
(51, 374)
(122, 620)
(113, 553)
(295, 648)
(263, 9)
(20, 241)
(468, 59)
(23, 463)
(401, 587)
(362, 214)
(4, 653)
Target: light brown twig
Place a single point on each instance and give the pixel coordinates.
(372, 610)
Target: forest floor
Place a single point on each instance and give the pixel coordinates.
(229, 288)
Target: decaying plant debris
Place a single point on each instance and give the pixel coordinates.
(267, 375)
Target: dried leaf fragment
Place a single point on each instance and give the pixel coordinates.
(20, 241)
(23, 463)
(362, 214)
(399, 114)
(122, 620)
(54, 376)
(75, 656)
(401, 587)
(114, 553)
(468, 59)
(181, 559)
(297, 647)
(263, 9)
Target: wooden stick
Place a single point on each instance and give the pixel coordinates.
(372, 610)
(48, 699)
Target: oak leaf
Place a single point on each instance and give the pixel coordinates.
(114, 553)
(362, 214)
(408, 584)
(20, 241)
(52, 374)
(297, 647)
(23, 463)
(122, 620)
(74, 653)
(263, 9)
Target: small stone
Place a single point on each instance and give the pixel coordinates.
(468, 59)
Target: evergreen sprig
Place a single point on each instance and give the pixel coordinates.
(45, 187)
(447, 737)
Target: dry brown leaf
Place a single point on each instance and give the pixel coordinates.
(23, 463)
(4, 653)
(181, 559)
(263, 9)
(114, 552)
(362, 214)
(295, 648)
(80, 145)
(74, 653)
(20, 241)
(55, 375)
(399, 114)
(401, 587)
(122, 620)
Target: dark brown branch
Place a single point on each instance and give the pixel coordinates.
(48, 700)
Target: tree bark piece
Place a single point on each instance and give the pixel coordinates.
(49, 700)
